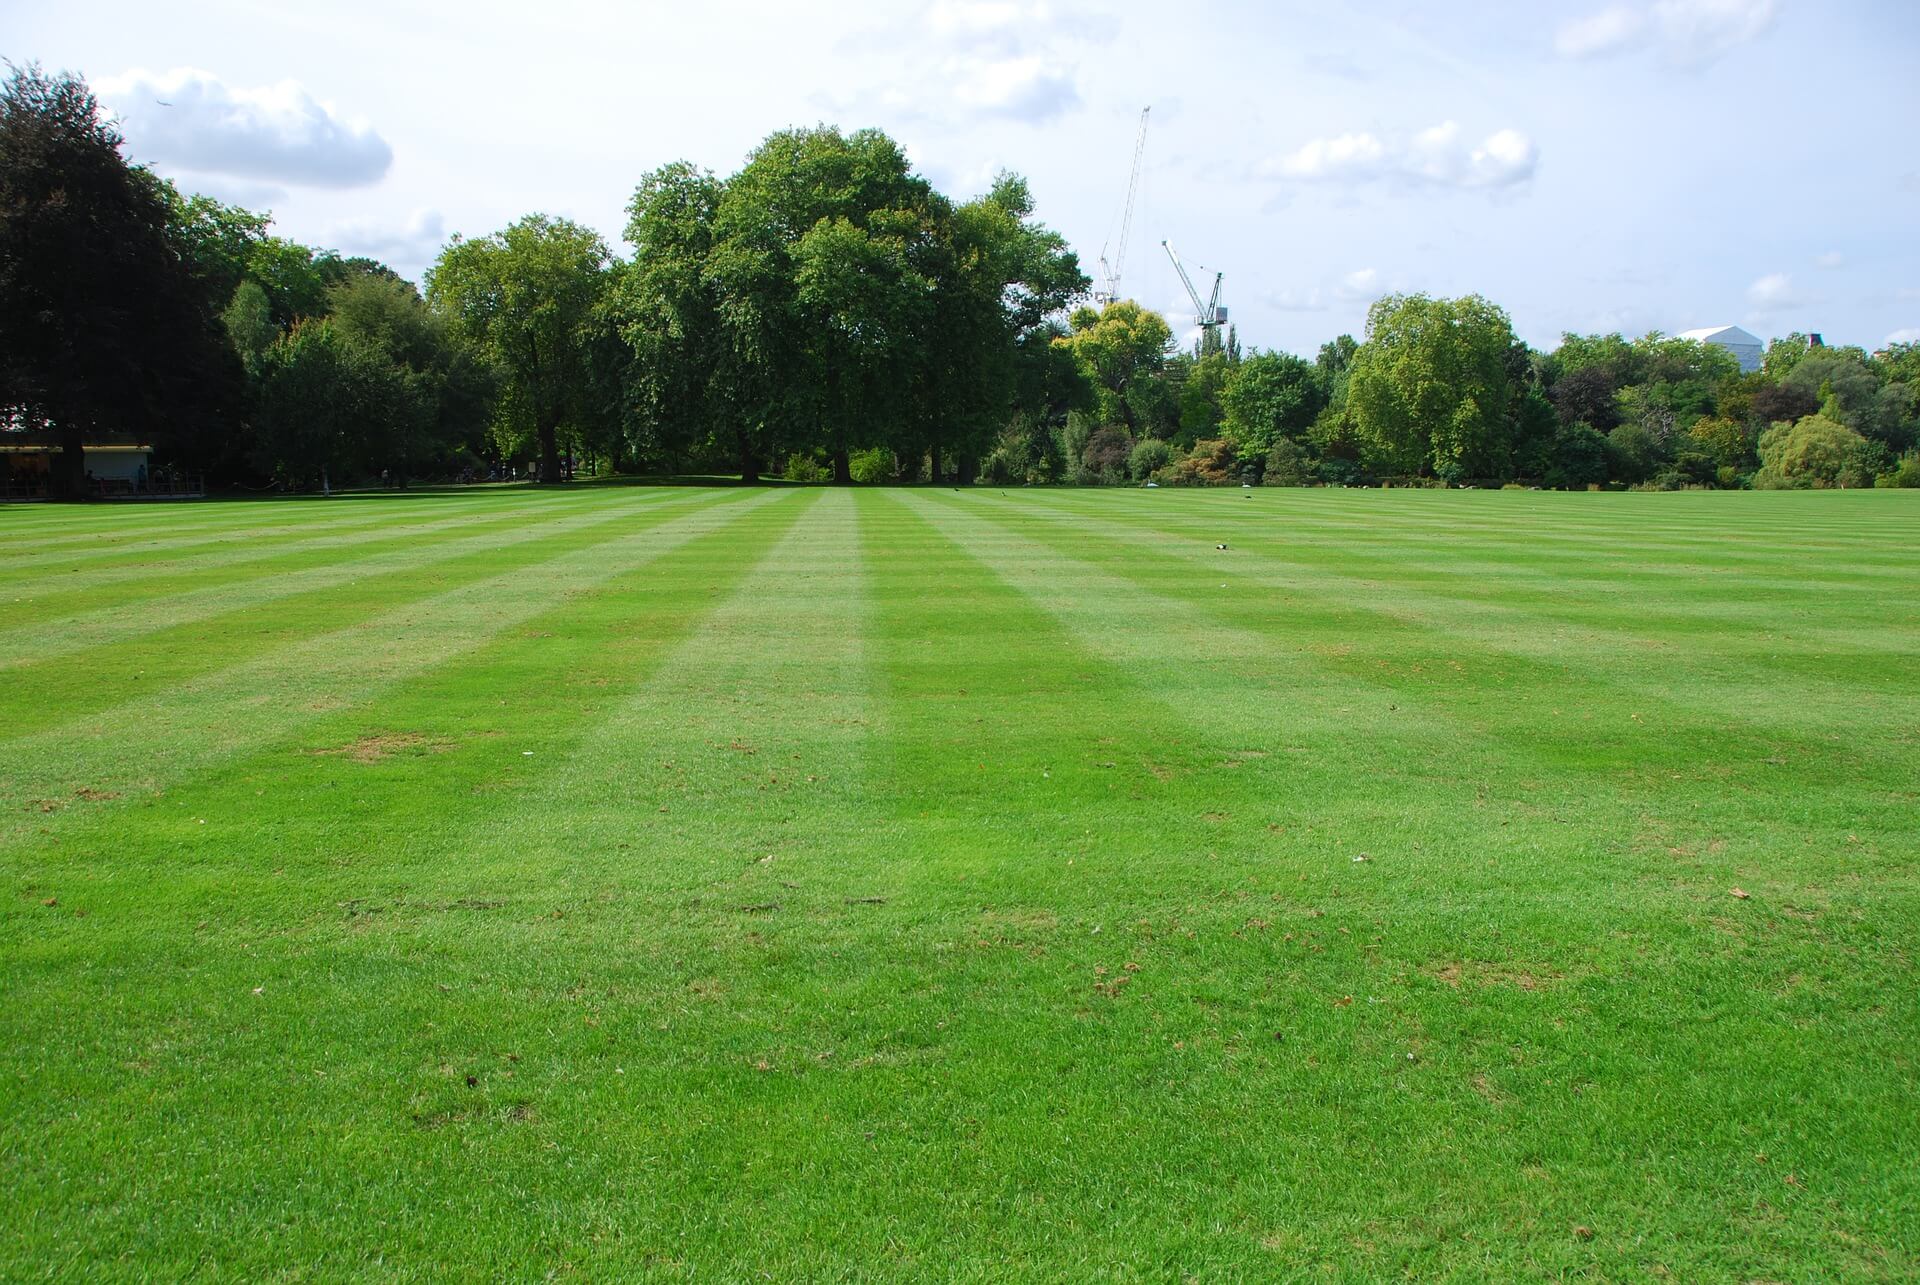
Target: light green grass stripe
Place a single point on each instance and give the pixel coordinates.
(49, 639)
(1464, 726)
(1543, 633)
(1728, 533)
(158, 530)
(147, 744)
(37, 581)
(725, 752)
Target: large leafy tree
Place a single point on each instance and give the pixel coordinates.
(1271, 396)
(1125, 347)
(1435, 388)
(528, 298)
(103, 324)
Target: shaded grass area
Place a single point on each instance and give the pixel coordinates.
(922, 884)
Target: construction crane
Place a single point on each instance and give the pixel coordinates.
(1110, 270)
(1210, 315)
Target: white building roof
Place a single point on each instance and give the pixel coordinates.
(1728, 336)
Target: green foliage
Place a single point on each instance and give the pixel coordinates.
(103, 325)
(804, 466)
(1904, 474)
(1148, 457)
(1288, 464)
(1124, 346)
(1852, 391)
(1729, 442)
(1435, 386)
(527, 299)
(1815, 452)
(875, 464)
(249, 323)
(1211, 463)
(1579, 458)
(1270, 397)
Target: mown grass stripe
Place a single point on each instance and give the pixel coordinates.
(77, 605)
(158, 739)
(119, 657)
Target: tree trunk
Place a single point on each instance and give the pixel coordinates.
(749, 466)
(842, 469)
(549, 452)
(69, 474)
(969, 469)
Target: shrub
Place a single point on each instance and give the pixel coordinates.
(1149, 456)
(802, 467)
(1212, 463)
(1107, 451)
(873, 465)
(1814, 452)
(1904, 474)
(1288, 464)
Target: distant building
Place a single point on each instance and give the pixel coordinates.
(1746, 349)
(117, 463)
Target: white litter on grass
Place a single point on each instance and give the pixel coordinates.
(526, 754)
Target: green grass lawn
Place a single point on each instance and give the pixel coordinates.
(799, 884)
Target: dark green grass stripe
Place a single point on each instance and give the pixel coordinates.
(54, 574)
(117, 659)
(163, 528)
(1545, 625)
(1482, 715)
(1405, 522)
(165, 736)
(68, 611)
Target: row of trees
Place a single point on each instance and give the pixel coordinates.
(823, 313)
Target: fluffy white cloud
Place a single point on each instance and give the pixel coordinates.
(1909, 335)
(1606, 32)
(1691, 32)
(193, 121)
(1027, 87)
(1361, 283)
(408, 247)
(1775, 290)
(1830, 260)
(1438, 155)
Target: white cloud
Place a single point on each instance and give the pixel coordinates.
(1690, 32)
(280, 133)
(1829, 261)
(1437, 155)
(1028, 87)
(1606, 32)
(1775, 290)
(1362, 283)
(1910, 335)
(408, 247)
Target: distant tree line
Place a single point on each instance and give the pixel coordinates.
(823, 314)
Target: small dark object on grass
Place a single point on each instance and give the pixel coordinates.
(1219, 546)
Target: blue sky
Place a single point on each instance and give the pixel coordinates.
(1634, 165)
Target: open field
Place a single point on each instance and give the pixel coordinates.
(922, 884)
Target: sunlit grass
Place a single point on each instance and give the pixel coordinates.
(969, 885)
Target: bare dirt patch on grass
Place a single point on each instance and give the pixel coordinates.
(378, 746)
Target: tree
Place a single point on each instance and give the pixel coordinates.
(249, 324)
(1587, 395)
(1816, 452)
(1434, 387)
(1271, 396)
(527, 298)
(103, 325)
(441, 391)
(1862, 401)
(1124, 347)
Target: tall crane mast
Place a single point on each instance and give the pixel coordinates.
(1210, 315)
(1110, 270)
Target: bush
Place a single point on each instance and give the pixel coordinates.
(1212, 463)
(1904, 474)
(805, 468)
(1815, 452)
(1148, 457)
(874, 465)
(1107, 451)
(1288, 464)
